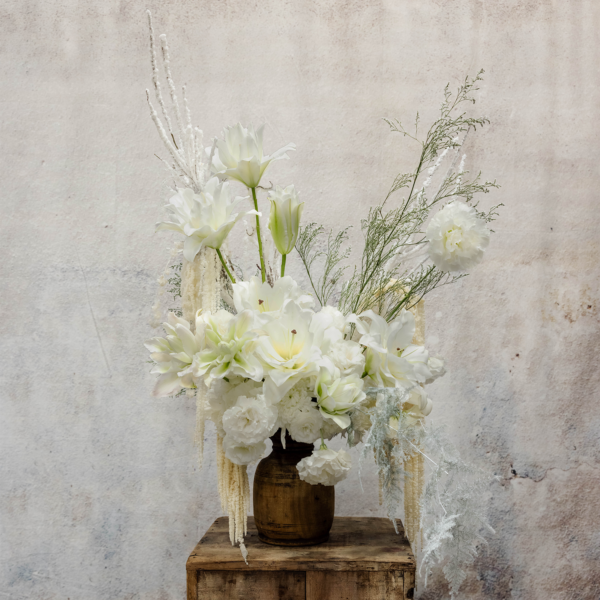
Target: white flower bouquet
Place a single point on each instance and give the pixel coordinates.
(344, 358)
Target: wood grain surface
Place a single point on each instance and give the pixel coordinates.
(287, 510)
(251, 585)
(351, 585)
(355, 543)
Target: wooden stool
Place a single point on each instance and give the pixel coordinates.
(364, 559)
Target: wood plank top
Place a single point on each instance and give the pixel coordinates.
(355, 543)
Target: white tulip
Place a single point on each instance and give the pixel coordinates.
(239, 155)
(173, 355)
(204, 219)
(284, 220)
(457, 237)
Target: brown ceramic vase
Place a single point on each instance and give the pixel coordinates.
(287, 510)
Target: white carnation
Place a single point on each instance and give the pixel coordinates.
(305, 425)
(326, 467)
(457, 237)
(297, 398)
(244, 454)
(250, 421)
(223, 395)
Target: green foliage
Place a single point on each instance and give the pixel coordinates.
(175, 280)
(332, 272)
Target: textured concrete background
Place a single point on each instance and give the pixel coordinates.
(100, 497)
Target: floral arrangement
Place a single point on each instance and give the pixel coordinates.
(344, 358)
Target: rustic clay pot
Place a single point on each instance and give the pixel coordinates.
(287, 510)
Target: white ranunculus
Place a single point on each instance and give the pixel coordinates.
(305, 425)
(331, 317)
(457, 237)
(173, 355)
(284, 219)
(326, 467)
(239, 155)
(348, 357)
(436, 366)
(337, 395)
(244, 454)
(391, 358)
(250, 421)
(229, 344)
(287, 351)
(268, 301)
(204, 219)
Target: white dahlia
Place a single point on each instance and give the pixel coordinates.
(457, 237)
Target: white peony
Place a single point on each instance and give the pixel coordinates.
(239, 155)
(305, 424)
(268, 301)
(244, 454)
(457, 237)
(204, 219)
(229, 343)
(326, 467)
(250, 421)
(173, 355)
(337, 395)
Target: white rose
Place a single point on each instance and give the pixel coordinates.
(437, 366)
(326, 467)
(244, 454)
(305, 425)
(348, 357)
(250, 421)
(457, 237)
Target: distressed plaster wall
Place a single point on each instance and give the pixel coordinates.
(100, 496)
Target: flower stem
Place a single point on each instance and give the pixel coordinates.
(260, 250)
(225, 266)
(283, 257)
(323, 446)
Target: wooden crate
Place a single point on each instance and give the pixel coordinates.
(363, 559)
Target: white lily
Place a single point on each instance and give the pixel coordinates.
(229, 343)
(267, 301)
(287, 351)
(337, 395)
(173, 355)
(391, 358)
(204, 219)
(239, 155)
